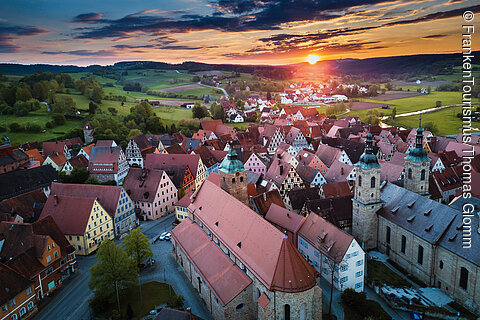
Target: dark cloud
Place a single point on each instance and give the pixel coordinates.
(285, 42)
(230, 15)
(91, 17)
(82, 53)
(7, 45)
(435, 36)
(10, 33)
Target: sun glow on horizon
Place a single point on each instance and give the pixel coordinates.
(312, 58)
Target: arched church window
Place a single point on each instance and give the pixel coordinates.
(410, 173)
(372, 182)
(422, 175)
(359, 180)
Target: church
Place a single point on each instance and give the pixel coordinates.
(422, 236)
(241, 265)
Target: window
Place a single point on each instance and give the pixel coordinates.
(28, 291)
(358, 285)
(344, 279)
(49, 271)
(240, 306)
(404, 244)
(372, 182)
(420, 255)
(343, 268)
(14, 317)
(287, 312)
(441, 264)
(4, 308)
(410, 173)
(49, 259)
(422, 175)
(30, 305)
(22, 312)
(359, 263)
(388, 234)
(463, 278)
(358, 274)
(12, 302)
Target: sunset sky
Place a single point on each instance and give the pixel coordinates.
(227, 31)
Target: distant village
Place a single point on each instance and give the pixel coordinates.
(276, 207)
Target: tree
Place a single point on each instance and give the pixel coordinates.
(394, 113)
(63, 104)
(199, 111)
(173, 128)
(269, 96)
(92, 107)
(137, 246)
(430, 126)
(218, 113)
(133, 132)
(113, 111)
(438, 103)
(113, 271)
(333, 262)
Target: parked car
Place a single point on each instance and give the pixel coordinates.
(165, 236)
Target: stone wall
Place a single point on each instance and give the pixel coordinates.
(409, 259)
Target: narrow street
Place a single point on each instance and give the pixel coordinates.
(71, 300)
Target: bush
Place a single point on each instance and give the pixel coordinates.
(58, 119)
(16, 127)
(2, 129)
(32, 127)
(49, 125)
(176, 302)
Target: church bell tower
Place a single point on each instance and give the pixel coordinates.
(417, 166)
(233, 177)
(366, 200)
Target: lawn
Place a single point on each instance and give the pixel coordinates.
(173, 113)
(373, 308)
(201, 92)
(240, 125)
(153, 294)
(40, 117)
(379, 272)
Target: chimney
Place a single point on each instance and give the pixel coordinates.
(55, 199)
(341, 171)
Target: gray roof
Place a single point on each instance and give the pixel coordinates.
(452, 240)
(421, 216)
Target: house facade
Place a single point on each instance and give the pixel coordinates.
(331, 250)
(114, 199)
(108, 164)
(152, 191)
(84, 222)
(255, 164)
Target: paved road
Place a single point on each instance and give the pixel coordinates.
(71, 301)
(219, 88)
(167, 270)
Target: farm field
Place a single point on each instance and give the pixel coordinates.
(392, 95)
(445, 119)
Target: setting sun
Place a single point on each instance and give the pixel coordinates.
(312, 58)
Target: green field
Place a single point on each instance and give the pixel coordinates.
(445, 119)
(40, 117)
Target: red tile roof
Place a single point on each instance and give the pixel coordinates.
(58, 158)
(326, 237)
(284, 218)
(185, 200)
(263, 201)
(79, 161)
(263, 300)
(224, 278)
(50, 147)
(158, 161)
(70, 213)
(108, 196)
(276, 263)
(142, 184)
(12, 283)
(336, 189)
(34, 154)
